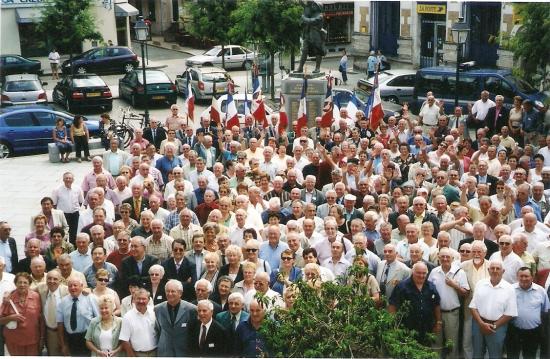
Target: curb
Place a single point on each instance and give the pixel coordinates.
(159, 46)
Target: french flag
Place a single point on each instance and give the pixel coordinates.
(327, 117)
(302, 109)
(257, 107)
(256, 90)
(215, 111)
(283, 118)
(352, 106)
(231, 114)
(373, 107)
(190, 100)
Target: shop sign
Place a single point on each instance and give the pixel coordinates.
(431, 9)
(22, 3)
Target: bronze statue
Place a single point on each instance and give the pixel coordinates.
(313, 35)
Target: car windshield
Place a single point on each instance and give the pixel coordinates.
(218, 76)
(20, 86)
(521, 85)
(88, 81)
(153, 77)
(212, 52)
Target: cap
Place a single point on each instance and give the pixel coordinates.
(349, 197)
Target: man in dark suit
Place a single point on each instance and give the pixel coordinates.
(177, 267)
(207, 338)
(154, 134)
(497, 117)
(203, 291)
(137, 264)
(189, 137)
(230, 319)
(137, 201)
(310, 194)
(484, 177)
(420, 210)
(173, 318)
(8, 247)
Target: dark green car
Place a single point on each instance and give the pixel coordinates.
(160, 89)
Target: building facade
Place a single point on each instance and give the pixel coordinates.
(20, 34)
(419, 33)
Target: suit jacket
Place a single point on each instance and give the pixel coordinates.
(129, 268)
(183, 275)
(201, 151)
(122, 158)
(356, 213)
(24, 265)
(215, 344)
(492, 181)
(502, 120)
(224, 318)
(59, 220)
(224, 270)
(14, 257)
(492, 247)
(159, 137)
(173, 340)
(318, 197)
(295, 275)
(399, 271)
(144, 205)
(43, 290)
(428, 217)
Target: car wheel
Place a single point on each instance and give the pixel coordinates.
(247, 65)
(206, 64)
(5, 150)
(393, 99)
(109, 108)
(128, 67)
(68, 105)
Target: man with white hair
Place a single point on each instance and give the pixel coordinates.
(253, 217)
(261, 286)
(403, 248)
(278, 191)
(419, 214)
(231, 318)
(271, 250)
(267, 165)
(330, 235)
(511, 262)
(236, 231)
(207, 338)
(533, 234)
(310, 194)
(478, 234)
(138, 333)
(202, 171)
(428, 115)
(159, 244)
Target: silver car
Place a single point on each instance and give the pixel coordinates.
(203, 80)
(235, 57)
(23, 89)
(396, 86)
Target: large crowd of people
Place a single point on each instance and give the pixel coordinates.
(163, 247)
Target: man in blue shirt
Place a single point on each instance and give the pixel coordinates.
(271, 250)
(372, 63)
(248, 340)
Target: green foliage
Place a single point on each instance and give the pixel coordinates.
(532, 42)
(73, 20)
(210, 19)
(339, 321)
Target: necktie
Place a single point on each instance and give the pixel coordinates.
(73, 314)
(139, 267)
(153, 134)
(177, 267)
(137, 207)
(50, 311)
(203, 336)
(233, 322)
(384, 279)
(172, 312)
(223, 260)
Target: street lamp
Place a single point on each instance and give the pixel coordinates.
(460, 33)
(142, 33)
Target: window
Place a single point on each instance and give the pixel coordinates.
(46, 119)
(23, 86)
(468, 88)
(497, 86)
(194, 75)
(434, 83)
(19, 120)
(237, 51)
(403, 81)
(10, 60)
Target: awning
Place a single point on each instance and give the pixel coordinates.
(27, 15)
(124, 9)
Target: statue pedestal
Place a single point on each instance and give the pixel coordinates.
(291, 88)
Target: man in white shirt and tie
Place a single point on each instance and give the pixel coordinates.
(51, 294)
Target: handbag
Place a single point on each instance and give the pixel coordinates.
(13, 324)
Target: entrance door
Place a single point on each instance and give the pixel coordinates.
(431, 46)
(484, 25)
(388, 26)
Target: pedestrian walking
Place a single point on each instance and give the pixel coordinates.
(372, 62)
(54, 57)
(344, 67)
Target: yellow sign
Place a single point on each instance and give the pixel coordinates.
(431, 9)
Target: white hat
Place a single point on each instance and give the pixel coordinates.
(349, 197)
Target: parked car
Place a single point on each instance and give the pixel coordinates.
(29, 128)
(396, 86)
(235, 57)
(23, 89)
(441, 80)
(83, 91)
(239, 103)
(102, 59)
(159, 87)
(343, 96)
(16, 64)
(202, 82)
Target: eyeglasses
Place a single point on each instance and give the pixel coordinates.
(154, 274)
(465, 251)
(504, 243)
(286, 258)
(178, 250)
(252, 249)
(440, 177)
(104, 280)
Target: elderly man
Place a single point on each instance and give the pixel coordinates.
(68, 199)
(114, 158)
(534, 235)
(168, 162)
(159, 244)
(99, 229)
(526, 332)
(203, 291)
(493, 305)
(185, 230)
(479, 231)
(232, 318)
(172, 320)
(248, 341)
(123, 250)
(32, 248)
(8, 248)
(511, 262)
(403, 247)
(55, 217)
(155, 134)
(206, 336)
(51, 294)
(452, 285)
(89, 181)
(138, 334)
(74, 314)
(424, 314)
(337, 264)
(137, 201)
(38, 270)
(310, 194)
(428, 115)
(324, 246)
(480, 109)
(65, 266)
(419, 214)
(99, 255)
(390, 271)
(261, 287)
(138, 263)
(144, 229)
(271, 250)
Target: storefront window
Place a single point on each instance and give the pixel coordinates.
(33, 42)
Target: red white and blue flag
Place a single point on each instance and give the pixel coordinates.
(256, 90)
(231, 114)
(373, 107)
(283, 118)
(302, 109)
(327, 117)
(215, 111)
(257, 106)
(190, 100)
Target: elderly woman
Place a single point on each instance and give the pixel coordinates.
(216, 217)
(157, 283)
(40, 232)
(171, 138)
(384, 208)
(212, 265)
(21, 318)
(58, 245)
(252, 248)
(101, 289)
(286, 274)
(129, 223)
(211, 230)
(338, 213)
(247, 284)
(233, 268)
(312, 275)
(103, 332)
(367, 279)
(222, 292)
(225, 207)
(427, 235)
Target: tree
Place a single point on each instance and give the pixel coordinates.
(273, 24)
(339, 321)
(68, 23)
(532, 42)
(210, 21)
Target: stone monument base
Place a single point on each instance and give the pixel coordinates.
(291, 88)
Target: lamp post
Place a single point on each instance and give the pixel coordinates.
(142, 32)
(460, 33)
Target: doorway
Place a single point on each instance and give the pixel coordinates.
(432, 35)
(484, 24)
(388, 26)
